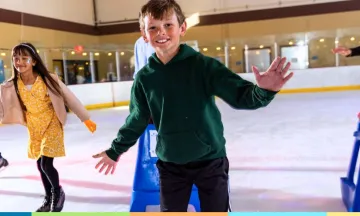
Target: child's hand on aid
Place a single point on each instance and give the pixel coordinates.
(105, 162)
(90, 125)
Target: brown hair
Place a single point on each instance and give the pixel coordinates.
(28, 49)
(159, 8)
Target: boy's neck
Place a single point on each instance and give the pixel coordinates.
(166, 56)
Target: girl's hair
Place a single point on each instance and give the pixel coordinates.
(27, 49)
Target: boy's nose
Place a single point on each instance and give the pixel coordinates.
(161, 31)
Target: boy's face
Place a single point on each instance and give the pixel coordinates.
(163, 35)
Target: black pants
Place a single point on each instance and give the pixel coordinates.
(49, 175)
(210, 177)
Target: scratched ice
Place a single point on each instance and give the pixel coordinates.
(288, 156)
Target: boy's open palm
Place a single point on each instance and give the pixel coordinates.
(274, 78)
(105, 163)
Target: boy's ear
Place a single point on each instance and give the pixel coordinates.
(143, 34)
(183, 29)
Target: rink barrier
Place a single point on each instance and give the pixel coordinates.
(331, 79)
(179, 214)
(285, 91)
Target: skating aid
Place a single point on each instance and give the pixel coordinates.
(350, 191)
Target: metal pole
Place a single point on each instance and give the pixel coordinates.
(246, 59)
(337, 63)
(92, 68)
(117, 56)
(66, 79)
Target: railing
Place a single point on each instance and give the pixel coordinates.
(106, 63)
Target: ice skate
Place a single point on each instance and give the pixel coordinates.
(3, 163)
(57, 199)
(46, 205)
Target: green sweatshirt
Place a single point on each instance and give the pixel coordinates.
(180, 98)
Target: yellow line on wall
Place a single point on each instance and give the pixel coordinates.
(321, 89)
(285, 91)
(107, 105)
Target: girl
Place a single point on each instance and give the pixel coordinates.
(35, 98)
(3, 162)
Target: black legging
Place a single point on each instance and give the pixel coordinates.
(48, 173)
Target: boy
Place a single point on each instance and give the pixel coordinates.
(177, 90)
(3, 162)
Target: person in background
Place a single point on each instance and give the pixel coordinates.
(347, 52)
(142, 52)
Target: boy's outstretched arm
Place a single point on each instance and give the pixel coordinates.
(243, 94)
(129, 133)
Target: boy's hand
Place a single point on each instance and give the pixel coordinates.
(274, 78)
(105, 162)
(342, 51)
(90, 125)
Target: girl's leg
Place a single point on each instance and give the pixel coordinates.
(58, 195)
(47, 186)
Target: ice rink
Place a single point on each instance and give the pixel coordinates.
(288, 156)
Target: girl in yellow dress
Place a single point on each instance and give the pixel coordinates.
(36, 98)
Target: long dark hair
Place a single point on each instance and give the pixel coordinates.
(27, 49)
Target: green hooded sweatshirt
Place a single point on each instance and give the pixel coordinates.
(180, 98)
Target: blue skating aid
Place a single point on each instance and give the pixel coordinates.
(146, 189)
(350, 192)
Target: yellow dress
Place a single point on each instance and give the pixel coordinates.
(46, 134)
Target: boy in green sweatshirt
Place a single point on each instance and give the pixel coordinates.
(177, 89)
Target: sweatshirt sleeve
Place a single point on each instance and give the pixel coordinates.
(135, 123)
(354, 52)
(237, 92)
